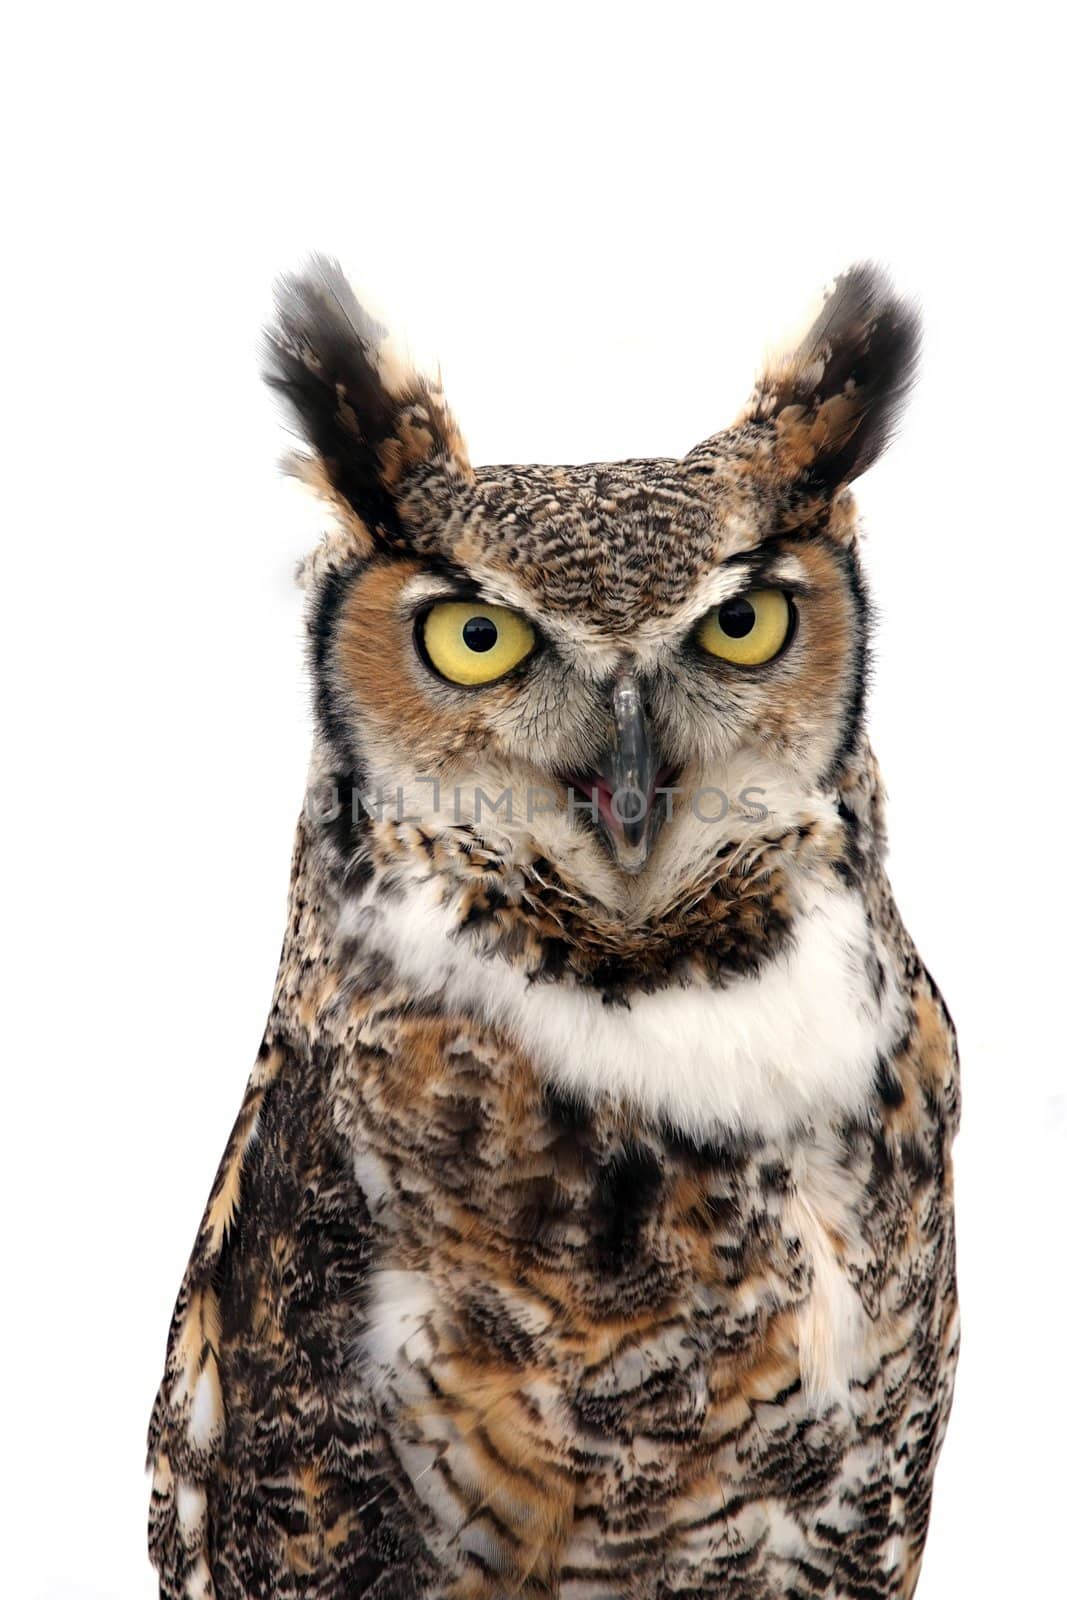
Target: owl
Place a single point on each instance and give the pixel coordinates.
(586, 1230)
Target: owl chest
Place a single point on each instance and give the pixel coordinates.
(585, 1321)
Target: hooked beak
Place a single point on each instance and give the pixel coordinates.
(625, 790)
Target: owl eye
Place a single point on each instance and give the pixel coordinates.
(471, 643)
(748, 629)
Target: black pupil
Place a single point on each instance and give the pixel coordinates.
(479, 634)
(737, 617)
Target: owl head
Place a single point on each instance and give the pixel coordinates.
(626, 681)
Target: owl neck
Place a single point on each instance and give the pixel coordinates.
(762, 1002)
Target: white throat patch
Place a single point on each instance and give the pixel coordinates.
(798, 1041)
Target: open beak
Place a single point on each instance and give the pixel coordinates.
(625, 789)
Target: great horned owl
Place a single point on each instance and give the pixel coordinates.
(586, 1229)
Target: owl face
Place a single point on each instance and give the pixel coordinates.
(619, 670)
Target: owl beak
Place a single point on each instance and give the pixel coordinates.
(628, 812)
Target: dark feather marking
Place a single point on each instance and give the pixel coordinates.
(628, 1186)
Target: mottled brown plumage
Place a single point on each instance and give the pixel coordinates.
(586, 1231)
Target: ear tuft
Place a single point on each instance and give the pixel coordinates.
(835, 399)
(368, 419)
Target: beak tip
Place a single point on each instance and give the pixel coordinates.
(633, 869)
(632, 856)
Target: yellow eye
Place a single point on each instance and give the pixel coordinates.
(748, 629)
(470, 643)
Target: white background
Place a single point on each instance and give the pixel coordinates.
(595, 219)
